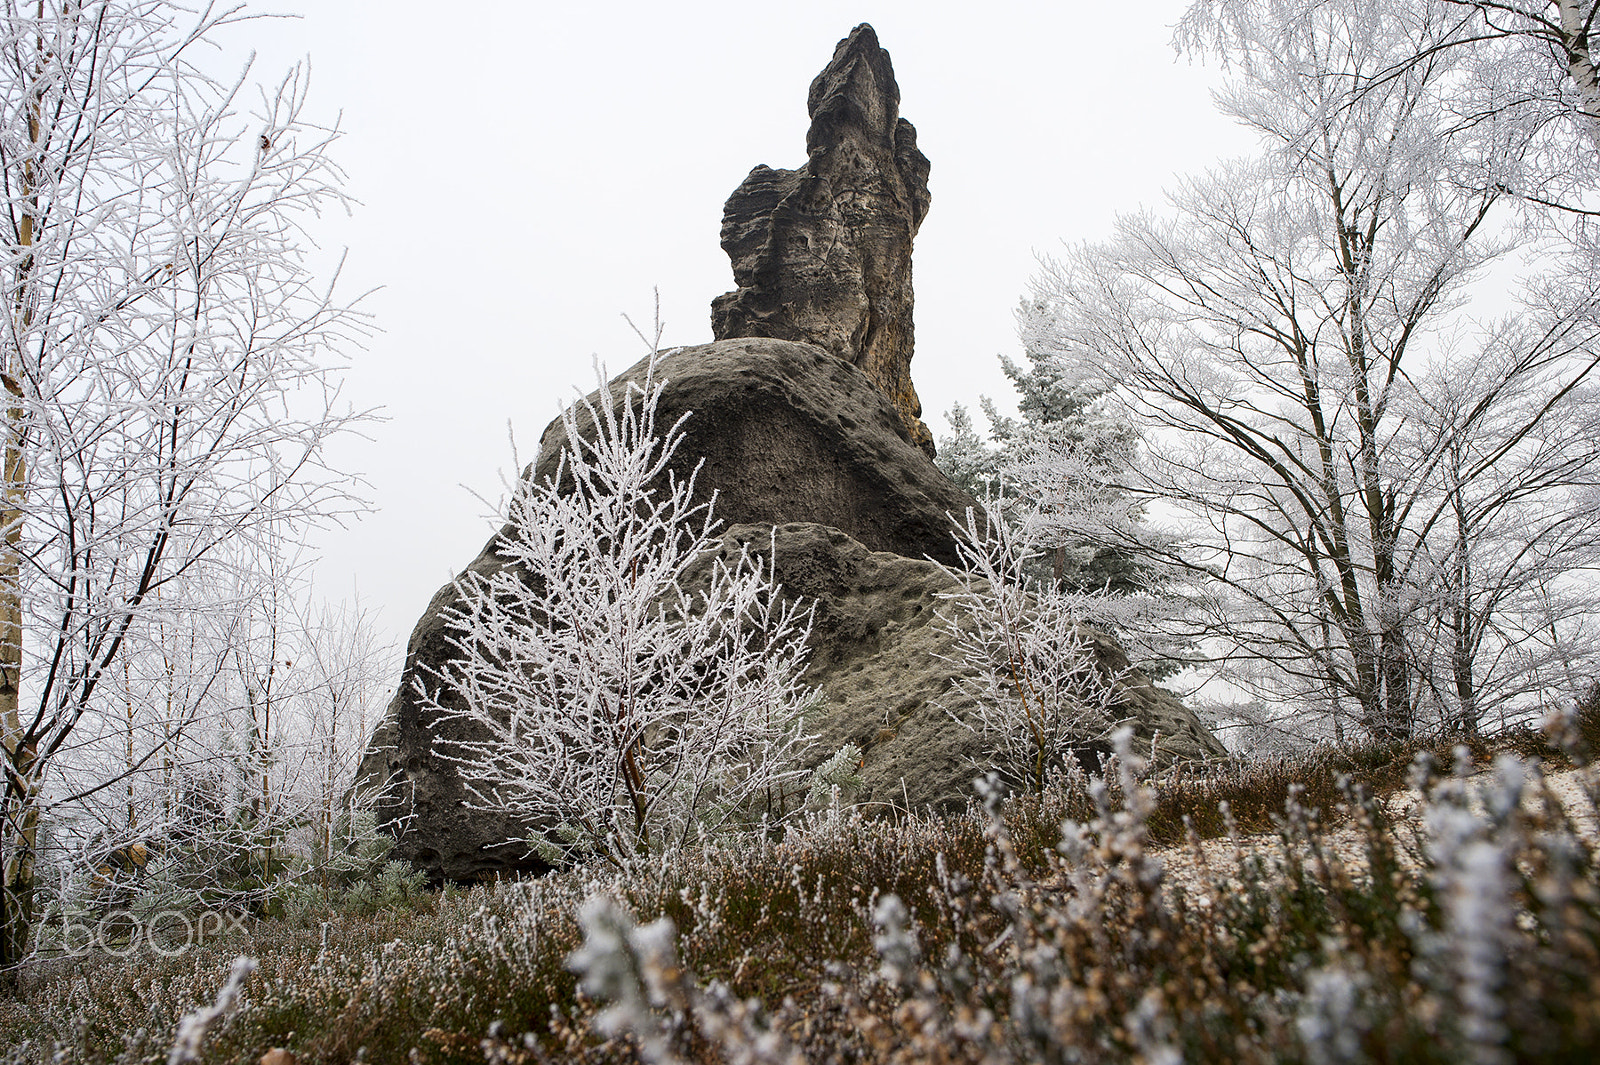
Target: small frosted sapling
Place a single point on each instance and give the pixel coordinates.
(1030, 683)
(612, 711)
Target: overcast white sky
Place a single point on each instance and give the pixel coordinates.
(528, 171)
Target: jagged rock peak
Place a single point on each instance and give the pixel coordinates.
(822, 254)
(856, 96)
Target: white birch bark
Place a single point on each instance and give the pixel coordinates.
(1580, 65)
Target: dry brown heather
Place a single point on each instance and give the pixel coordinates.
(1333, 935)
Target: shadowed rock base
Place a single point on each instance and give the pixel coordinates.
(882, 657)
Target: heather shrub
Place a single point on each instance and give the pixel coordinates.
(1444, 951)
(1047, 927)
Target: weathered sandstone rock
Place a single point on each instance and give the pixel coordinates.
(802, 418)
(788, 433)
(822, 254)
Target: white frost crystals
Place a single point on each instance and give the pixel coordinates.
(601, 703)
(1032, 688)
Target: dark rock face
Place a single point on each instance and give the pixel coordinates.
(881, 655)
(416, 791)
(789, 433)
(822, 254)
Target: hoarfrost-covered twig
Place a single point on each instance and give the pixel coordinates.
(895, 941)
(193, 1027)
(650, 997)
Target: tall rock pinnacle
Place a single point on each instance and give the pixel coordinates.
(822, 254)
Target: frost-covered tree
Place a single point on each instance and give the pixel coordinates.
(1522, 76)
(617, 713)
(1057, 466)
(225, 764)
(342, 687)
(1350, 449)
(1530, 68)
(1058, 473)
(166, 361)
(1534, 69)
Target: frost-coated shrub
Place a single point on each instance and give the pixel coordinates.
(1033, 688)
(1039, 928)
(1480, 947)
(620, 715)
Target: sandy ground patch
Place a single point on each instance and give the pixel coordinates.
(1197, 868)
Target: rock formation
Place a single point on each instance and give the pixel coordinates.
(795, 438)
(822, 254)
(803, 420)
(788, 433)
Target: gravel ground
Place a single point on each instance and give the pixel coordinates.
(1193, 867)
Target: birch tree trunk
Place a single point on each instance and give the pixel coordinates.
(1575, 28)
(20, 804)
(165, 352)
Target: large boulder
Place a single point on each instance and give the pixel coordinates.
(782, 432)
(789, 432)
(822, 254)
(883, 657)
